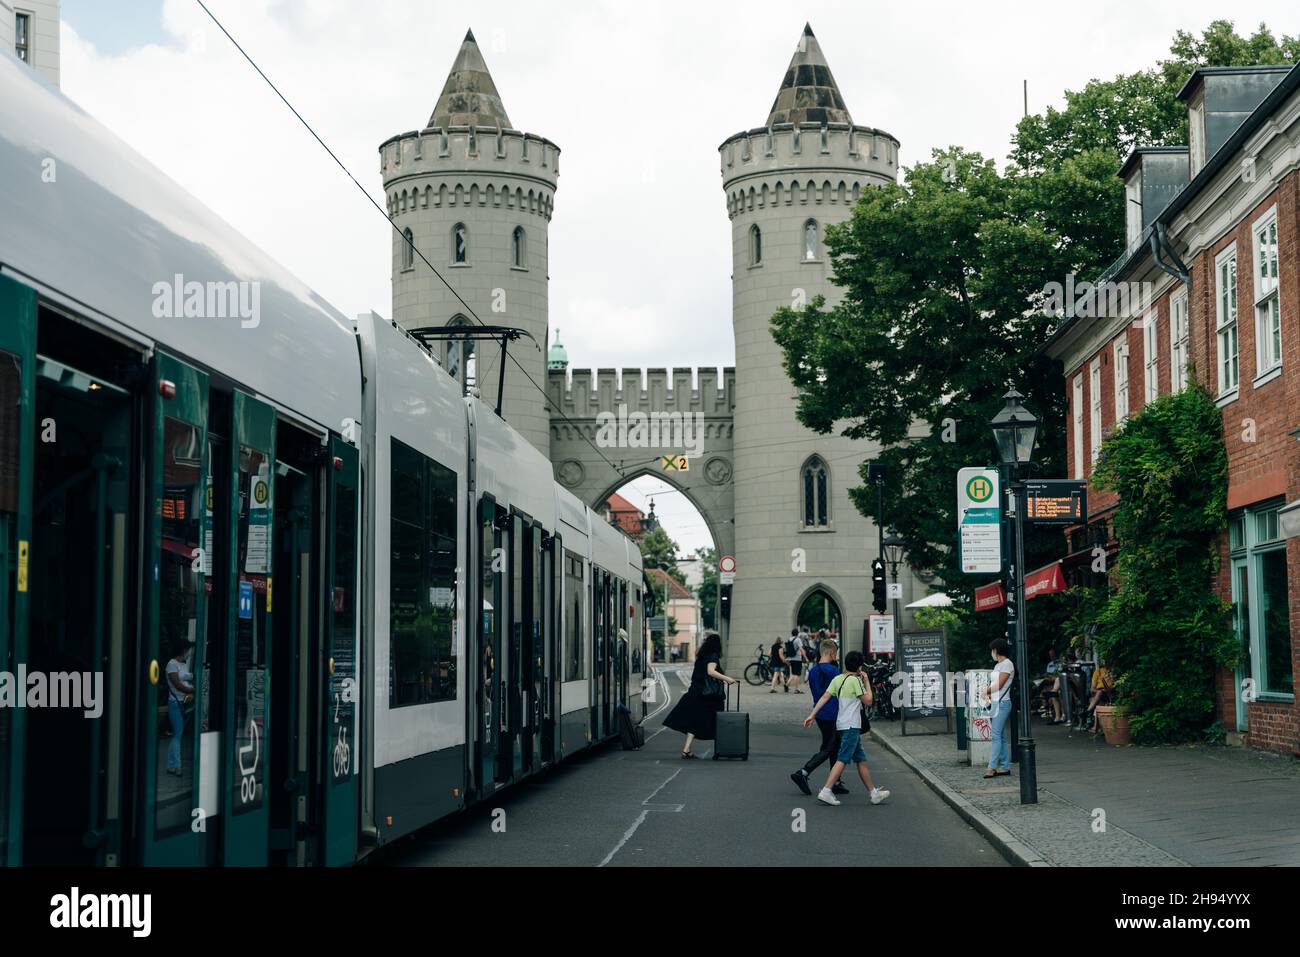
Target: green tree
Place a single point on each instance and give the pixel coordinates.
(708, 590)
(1163, 630)
(660, 551)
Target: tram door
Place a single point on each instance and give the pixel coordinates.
(175, 557)
(17, 426)
(534, 660)
(611, 631)
(338, 754)
(597, 652)
(553, 570)
(247, 684)
(297, 648)
(486, 718)
(515, 669)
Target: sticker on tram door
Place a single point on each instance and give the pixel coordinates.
(245, 600)
(22, 566)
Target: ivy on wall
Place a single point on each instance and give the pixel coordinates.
(1163, 631)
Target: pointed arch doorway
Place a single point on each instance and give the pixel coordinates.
(819, 610)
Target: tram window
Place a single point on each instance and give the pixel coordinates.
(422, 577)
(256, 509)
(573, 592)
(178, 612)
(344, 594)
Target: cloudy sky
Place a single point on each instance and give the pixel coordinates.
(638, 97)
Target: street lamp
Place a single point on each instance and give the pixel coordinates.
(1015, 428)
(893, 547)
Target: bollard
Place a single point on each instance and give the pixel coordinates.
(961, 727)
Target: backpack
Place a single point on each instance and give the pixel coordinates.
(791, 649)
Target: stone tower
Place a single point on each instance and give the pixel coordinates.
(797, 532)
(475, 195)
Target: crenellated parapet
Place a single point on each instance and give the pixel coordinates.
(469, 166)
(580, 394)
(805, 164)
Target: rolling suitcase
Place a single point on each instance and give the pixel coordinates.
(732, 739)
(631, 735)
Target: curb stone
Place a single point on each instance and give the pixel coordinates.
(1016, 851)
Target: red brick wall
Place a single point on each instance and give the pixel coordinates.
(1270, 464)
(1258, 470)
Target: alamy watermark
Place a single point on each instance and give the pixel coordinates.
(651, 430)
(179, 299)
(1101, 300)
(82, 690)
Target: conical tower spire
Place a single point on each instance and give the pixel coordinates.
(469, 97)
(808, 93)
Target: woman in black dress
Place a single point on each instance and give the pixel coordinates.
(696, 715)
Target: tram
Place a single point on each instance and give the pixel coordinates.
(384, 607)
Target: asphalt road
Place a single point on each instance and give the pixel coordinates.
(650, 808)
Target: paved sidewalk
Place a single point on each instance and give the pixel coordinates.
(1170, 806)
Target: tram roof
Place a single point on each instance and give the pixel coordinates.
(111, 230)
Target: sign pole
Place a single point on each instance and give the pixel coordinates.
(1028, 768)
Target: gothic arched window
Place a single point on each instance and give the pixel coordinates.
(408, 249)
(460, 243)
(519, 249)
(810, 240)
(755, 246)
(461, 362)
(816, 493)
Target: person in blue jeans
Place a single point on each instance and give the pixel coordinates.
(851, 692)
(180, 692)
(820, 677)
(999, 696)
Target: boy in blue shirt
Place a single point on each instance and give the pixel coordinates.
(851, 691)
(820, 677)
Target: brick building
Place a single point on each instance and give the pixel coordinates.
(1209, 288)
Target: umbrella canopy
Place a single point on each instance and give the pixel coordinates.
(937, 600)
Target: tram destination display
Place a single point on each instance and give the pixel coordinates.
(923, 665)
(1056, 502)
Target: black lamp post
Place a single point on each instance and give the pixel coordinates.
(894, 546)
(1015, 428)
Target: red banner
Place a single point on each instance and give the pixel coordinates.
(990, 596)
(1045, 581)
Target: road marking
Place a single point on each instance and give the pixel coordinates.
(668, 697)
(662, 786)
(627, 835)
(646, 808)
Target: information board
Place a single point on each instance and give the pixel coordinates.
(979, 521)
(1056, 502)
(923, 663)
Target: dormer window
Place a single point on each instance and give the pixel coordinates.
(1196, 134)
(1133, 208)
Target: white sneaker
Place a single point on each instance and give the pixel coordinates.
(826, 797)
(878, 795)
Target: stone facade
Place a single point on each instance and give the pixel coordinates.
(803, 170)
(499, 185)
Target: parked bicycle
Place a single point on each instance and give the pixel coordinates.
(879, 674)
(759, 672)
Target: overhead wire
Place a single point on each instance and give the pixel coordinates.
(389, 219)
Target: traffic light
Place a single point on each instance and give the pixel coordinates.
(878, 585)
(724, 603)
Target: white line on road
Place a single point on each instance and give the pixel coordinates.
(626, 836)
(646, 809)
